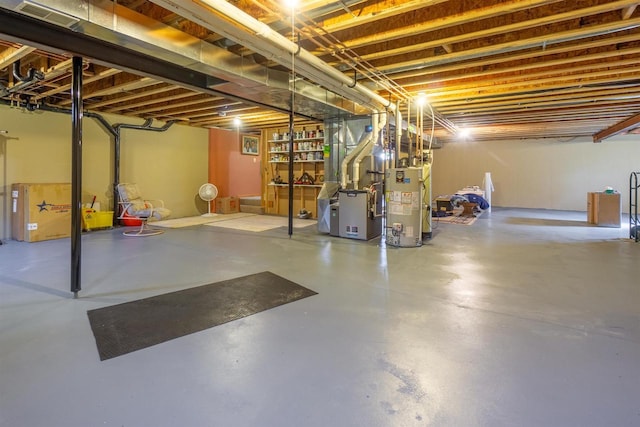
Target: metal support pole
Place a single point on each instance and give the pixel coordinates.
(292, 86)
(116, 174)
(76, 176)
(291, 139)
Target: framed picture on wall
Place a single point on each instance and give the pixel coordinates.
(250, 145)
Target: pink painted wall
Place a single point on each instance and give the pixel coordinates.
(234, 174)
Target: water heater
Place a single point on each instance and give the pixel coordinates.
(404, 192)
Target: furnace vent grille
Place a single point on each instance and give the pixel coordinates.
(46, 14)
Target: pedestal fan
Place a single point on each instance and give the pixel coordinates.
(208, 192)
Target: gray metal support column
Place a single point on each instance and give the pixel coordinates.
(76, 176)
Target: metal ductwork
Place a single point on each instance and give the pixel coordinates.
(109, 22)
(236, 25)
(378, 121)
(231, 22)
(345, 179)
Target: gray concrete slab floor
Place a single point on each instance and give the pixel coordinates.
(525, 318)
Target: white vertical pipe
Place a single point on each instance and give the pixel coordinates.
(488, 188)
(398, 131)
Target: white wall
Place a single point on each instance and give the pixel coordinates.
(544, 174)
(167, 165)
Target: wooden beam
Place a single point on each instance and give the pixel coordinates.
(191, 106)
(628, 11)
(471, 16)
(523, 86)
(103, 74)
(618, 128)
(121, 88)
(149, 101)
(598, 61)
(375, 11)
(11, 55)
(131, 97)
(494, 49)
(515, 58)
(560, 72)
(630, 94)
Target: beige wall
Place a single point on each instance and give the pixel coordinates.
(167, 165)
(545, 174)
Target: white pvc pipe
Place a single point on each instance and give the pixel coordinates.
(398, 131)
(488, 188)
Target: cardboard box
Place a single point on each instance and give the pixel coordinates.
(604, 209)
(40, 211)
(226, 205)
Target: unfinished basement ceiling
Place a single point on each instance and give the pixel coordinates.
(503, 69)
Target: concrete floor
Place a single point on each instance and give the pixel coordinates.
(526, 318)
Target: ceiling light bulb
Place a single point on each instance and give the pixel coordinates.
(236, 121)
(422, 99)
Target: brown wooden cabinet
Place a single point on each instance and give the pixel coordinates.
(308, 170)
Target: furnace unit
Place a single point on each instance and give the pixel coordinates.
(360, 215)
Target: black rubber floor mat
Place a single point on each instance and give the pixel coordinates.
(135, 325)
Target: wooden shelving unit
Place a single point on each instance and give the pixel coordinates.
(308, 152)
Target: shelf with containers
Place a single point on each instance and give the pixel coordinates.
(308, 170)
